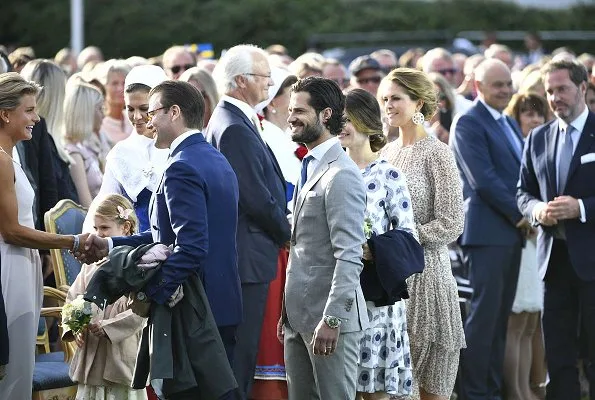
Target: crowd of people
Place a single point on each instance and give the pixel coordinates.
(308, 212)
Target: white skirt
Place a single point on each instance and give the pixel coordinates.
(529, 290)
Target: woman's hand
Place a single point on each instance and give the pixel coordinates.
(97, 330)
(367, 253)
(79, 338)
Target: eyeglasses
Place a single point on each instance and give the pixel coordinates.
(177, 68)
(446, 71)
(151, 114)
(373, 79)
(261, 75)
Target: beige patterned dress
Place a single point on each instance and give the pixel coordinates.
(433, 315)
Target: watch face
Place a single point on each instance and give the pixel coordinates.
(141, 296)
(332, 322)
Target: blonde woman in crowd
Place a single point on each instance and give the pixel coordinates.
(433, 313)
(83, 113)
(20, 265)
(201, 79)
(115, 125)
(50, 102)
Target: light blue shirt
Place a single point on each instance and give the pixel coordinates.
(317, 153)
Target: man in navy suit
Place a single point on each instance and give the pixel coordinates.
(243, 74)
(487, 147)
(194, 209)
(556, 192)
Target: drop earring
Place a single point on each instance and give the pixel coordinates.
(418, 118)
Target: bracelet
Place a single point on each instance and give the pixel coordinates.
(76, 243)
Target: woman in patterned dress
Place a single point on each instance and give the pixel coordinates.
(385, 366)
(433, 314)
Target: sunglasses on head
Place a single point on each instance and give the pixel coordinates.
(374, 79)
(177, 68)
(450, 71)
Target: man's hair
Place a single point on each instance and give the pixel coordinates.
(324, 93)
(577, 71)
(185, 96)
(434, 54)
(236, 61)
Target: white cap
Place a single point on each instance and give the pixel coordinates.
(149, 75)
(278, 75)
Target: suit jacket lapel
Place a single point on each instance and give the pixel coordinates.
(586, 140)
(496, 129)
(551, 139)
(250, 124)
(331, 155)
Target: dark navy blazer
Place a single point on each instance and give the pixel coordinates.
(195, 208)
(489, 168)
(538, 182)
(262, 221)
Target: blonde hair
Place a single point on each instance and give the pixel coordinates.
(79, 111)
(50, 99)
(103, 71)
(108, 209)
(206, 81)
(12, 88)
(418, 86)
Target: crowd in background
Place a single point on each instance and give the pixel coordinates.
(95, 138)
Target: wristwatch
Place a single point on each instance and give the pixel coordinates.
(332, 322)
(141, 296)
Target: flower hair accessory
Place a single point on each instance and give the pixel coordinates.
(124, 213)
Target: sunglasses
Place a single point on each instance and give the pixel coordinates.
(364, 81)
(177, 68)
(450, 71)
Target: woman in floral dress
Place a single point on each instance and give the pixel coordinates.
(385, 366)
(433, 313)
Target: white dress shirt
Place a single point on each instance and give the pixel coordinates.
(317, 153)
(245, 108)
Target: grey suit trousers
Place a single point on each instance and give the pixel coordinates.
(319, 377)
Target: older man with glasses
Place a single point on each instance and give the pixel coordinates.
(243, 76)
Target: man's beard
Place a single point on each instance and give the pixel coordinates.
(310, 133)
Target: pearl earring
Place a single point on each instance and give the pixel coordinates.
(274, 111)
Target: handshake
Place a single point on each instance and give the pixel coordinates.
(89, 248)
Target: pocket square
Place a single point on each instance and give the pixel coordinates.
(311, 194)
(587, 158)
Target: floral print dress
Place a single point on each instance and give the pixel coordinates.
(385, 362)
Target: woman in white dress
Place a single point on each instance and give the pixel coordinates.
(22, 283)
(134, 166)
(384, 367)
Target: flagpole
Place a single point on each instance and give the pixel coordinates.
(77, 23)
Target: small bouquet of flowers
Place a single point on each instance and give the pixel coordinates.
(77, 314)
(368, 227)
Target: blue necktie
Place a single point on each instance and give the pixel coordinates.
(511, 136)
(565, 158)
(305, 163)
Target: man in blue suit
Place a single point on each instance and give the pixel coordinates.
(487, 147)
(243, 74)
(556, 192)
(194, 209)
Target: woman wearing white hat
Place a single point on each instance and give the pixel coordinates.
(134, 166)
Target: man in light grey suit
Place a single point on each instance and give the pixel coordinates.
(324, 309)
